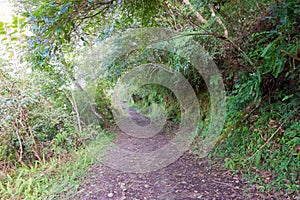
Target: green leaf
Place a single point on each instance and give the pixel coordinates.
(266, 49)
(287, 97)
(257, 159)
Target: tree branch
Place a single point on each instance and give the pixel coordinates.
(213, 14)
(270, 138)
(290, 55)
(199, 17)
(95, 14)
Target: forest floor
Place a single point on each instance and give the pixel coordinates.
(187, 178)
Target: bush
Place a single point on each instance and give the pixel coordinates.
(31, 127)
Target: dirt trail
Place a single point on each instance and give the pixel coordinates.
(187, 178)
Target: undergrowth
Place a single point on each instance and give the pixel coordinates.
(261, 135)
(266, 147)
(57, 178)
(46, 180)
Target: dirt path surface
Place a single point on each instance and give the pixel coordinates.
(187, 178)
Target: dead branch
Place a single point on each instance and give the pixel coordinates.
(267, 142)
(213, 14)
(290, 55)
(198, 15)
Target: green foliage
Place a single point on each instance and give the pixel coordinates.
(61, 175)
(102, 99)
(31, 126)
(141, 13)
(274, 70)
(153, 100)
(263, 108)
(283, 37)
(34, 124)
(249, 147)
(55, 179)
(262, 119)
